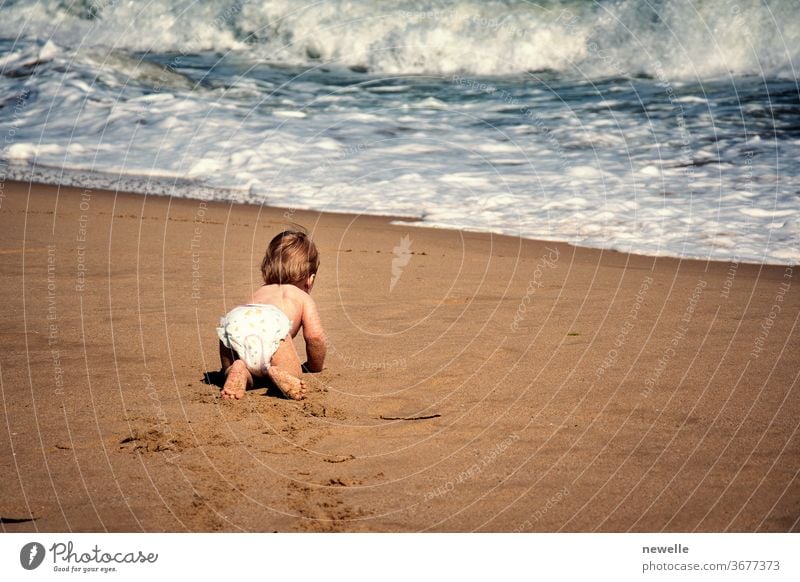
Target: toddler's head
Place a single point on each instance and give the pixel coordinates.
(291, 259)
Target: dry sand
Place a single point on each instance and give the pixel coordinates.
(499, 384)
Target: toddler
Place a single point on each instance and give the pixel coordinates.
(255, 340)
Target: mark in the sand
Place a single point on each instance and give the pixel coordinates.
(203, 398)
(573, 333)
(340, 459)
(457, 300)
(152, 441)
(314, 409)
(320, 508)
(342, 482)
(422, 417)
(13, 520)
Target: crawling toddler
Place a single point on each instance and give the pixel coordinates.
(255, 340)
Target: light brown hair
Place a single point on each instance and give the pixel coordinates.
(291, 258)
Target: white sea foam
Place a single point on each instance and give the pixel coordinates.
(669, 38)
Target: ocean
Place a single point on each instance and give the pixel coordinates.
(667, 128)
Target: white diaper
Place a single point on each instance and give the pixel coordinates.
(255, 332)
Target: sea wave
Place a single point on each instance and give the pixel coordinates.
(676, 38)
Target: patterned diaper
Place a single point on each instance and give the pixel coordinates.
(255, 332)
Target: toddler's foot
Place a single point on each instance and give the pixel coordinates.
(237, 381)
(291, 386)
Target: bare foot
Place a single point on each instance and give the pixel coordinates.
(292, 386)
(237, 381)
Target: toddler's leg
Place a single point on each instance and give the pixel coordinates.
(285, 370)
(238, 378)
(226, 356)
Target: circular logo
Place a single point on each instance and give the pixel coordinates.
(31, 555)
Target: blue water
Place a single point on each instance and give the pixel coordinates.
(666, 128)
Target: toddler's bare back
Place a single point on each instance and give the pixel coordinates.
(287, 298)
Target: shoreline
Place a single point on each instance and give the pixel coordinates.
(406, 220)
(475, 382)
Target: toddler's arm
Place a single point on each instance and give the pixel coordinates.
(314, 334)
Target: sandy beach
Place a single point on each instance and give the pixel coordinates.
(474, 382)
